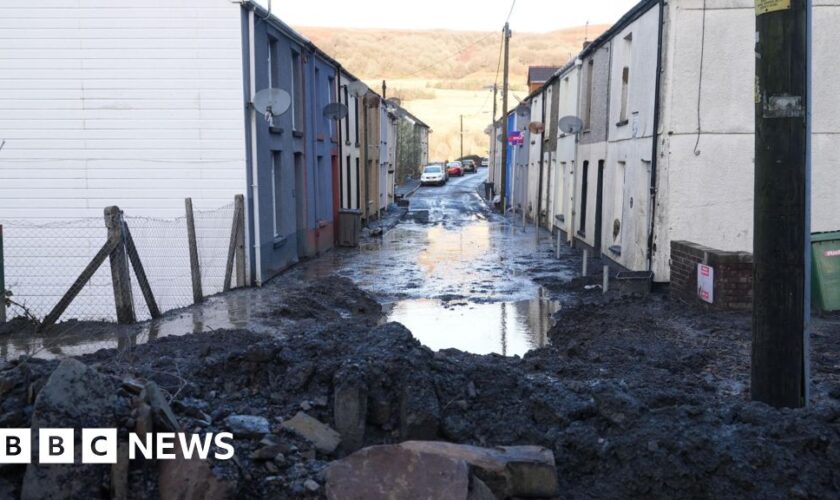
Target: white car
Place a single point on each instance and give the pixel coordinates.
(433, 174)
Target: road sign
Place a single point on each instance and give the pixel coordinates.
(706, 283)
(515, 138)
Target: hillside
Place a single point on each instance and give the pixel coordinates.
(442, 74)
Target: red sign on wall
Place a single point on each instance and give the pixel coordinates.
(516, 138)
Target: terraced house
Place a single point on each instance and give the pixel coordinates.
(666, 98)
(142, 105)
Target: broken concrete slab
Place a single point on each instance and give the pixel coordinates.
(248, 425)
(419, 412)
(479, 490)
(324, 437)
(350, 411)
(391, 471)
(161, 412)
(509, 471)
(79, 395)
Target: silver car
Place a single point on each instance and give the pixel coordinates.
(433, 174)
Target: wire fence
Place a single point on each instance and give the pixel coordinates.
(43, 260)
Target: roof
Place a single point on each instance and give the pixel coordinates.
(540, 73)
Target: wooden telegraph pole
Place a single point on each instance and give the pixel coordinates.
(782, 227)
(504, 120)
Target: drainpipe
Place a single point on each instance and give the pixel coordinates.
(366, 145)
(655, 149)
(340, 146)
(255, 190)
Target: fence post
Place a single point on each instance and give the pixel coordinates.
(2, 281)
(239, 205)
(120, 275)
(195, 271)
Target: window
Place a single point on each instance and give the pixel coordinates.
(297, 92)
(625, 79)
(347, 201)
(330, 99)
(273, 64)
(277, 191)
(584, 192)
(347, 120)
(356, 110)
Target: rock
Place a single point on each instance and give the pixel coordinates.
(509, 471)
(311, 485)
(161, 412)
(419, 412)
(479, 490)
(268, 452)
(133, 386)
(306, 406)
(143, 423)
(391, 471)
(119, 474)
(350, 411)
(76, 395)
(324, 437)
(471, 391)
(183, 479)
(247, 425)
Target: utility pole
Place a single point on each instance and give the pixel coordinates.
(504, 120)
(384, 90)
(462, 137)
(781, 308)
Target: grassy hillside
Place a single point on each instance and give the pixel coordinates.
(442, 74)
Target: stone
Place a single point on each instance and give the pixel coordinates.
(311, 485)
(119, 474)
(391, 471)
(248, 425)
(161, 412)
(306, 406)
(479, 490)
(419, 412)
(350, 413)
(268, 452)
(509, 471)
(324, 437)
(193, 479)
(76, 395)
(143, 423)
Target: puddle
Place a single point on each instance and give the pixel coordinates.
(506, 328)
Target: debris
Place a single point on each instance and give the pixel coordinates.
(510, 471)
(182, 479)
(419, 412)
(392, 471)
(350, 410)
(161, 412)
(324, 437)
(248, 425)
(311, 485)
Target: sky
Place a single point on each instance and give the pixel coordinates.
(461, 15)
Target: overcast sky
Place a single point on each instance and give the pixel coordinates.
(470, 15)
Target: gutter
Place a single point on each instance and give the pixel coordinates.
(655, 149)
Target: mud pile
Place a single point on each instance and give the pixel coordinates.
(637, 400)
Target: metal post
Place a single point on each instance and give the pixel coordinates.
(585, 269)
(502, 193)
(557, 250)
(120, 275)
(780, 308)
(606, 273)
(195, 270)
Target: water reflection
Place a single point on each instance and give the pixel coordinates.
(507, 328)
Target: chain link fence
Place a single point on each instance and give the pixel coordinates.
(43, 260)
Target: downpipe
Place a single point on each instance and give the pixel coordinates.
(255, 191)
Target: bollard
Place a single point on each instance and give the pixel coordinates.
(585, 262)
(606, 285)
(557, 250)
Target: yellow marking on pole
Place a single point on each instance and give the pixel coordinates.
(766, 6)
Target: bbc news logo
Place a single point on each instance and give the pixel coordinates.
(99, 446)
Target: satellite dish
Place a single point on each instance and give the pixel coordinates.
(335, 111)
(396, 101)
(536, 127)
(357, 88)
(523, 110)
(272, 102)
(570, 124)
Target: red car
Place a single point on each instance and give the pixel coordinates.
(455, 169)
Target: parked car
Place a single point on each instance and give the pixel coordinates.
(455, 168)
(433, 174)
(469, 166)
(485, 162)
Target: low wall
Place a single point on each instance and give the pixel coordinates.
(733, 275)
